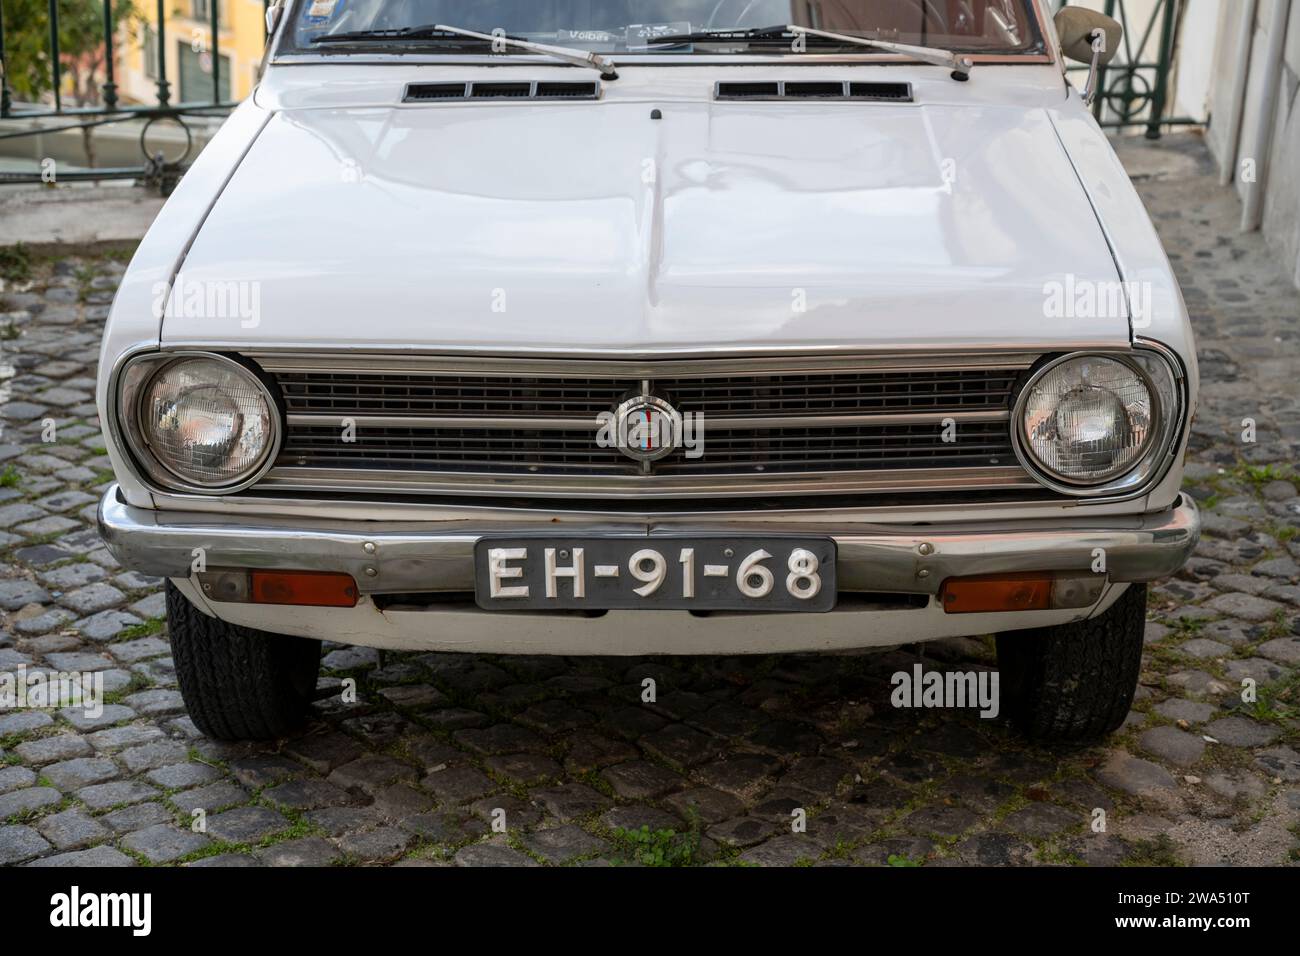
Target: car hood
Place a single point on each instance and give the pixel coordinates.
(592, 227)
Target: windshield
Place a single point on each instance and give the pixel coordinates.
(629, 26)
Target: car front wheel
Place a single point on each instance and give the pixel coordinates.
(239, 683)
(1076, 681)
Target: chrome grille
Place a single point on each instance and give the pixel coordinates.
(519, 426)
(347, 394)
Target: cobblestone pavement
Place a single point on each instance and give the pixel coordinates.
(565, 747)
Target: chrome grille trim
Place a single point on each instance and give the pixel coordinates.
(781, 425)
(597, 367)
(574, 424)
(361, 481)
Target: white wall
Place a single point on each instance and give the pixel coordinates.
(1282, 189)
(1195, 57)
(1278, 169)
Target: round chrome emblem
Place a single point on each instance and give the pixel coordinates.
(647, 428)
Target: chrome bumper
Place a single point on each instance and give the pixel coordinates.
(387, 557)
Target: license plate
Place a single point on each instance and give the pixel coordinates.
(763, 573)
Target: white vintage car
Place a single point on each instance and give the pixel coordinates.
(654, 327)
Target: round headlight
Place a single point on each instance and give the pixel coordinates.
(208, 421)
(1087, 420)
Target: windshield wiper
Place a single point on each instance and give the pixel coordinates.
(959, 65)
(439, 31)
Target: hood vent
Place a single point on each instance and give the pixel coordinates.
(429, 92)
(815, 90)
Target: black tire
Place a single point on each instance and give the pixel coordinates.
(239, 683)
(1075, 682)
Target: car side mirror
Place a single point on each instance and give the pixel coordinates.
(273, 13)
(1077, 28)
(1089, 37)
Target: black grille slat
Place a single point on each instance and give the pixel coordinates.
(483, 91)
(815, 90)
(896, 92)
(747, 91)
(844, 393)
(453, 449)
(793, 90)
(434, 91)
(343, 394)
(513, 90)
(566, 91)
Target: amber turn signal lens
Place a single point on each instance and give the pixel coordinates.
(303, 588)
(997, 592)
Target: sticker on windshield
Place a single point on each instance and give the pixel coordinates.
(640, 35)
(603, 37)
(322, 11)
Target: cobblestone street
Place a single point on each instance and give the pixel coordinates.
(413, 772)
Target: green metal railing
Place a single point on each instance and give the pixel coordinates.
(1132, 91)
(155, 168)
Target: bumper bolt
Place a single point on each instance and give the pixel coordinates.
(370, 572)
(925, 547)
(368, 547)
